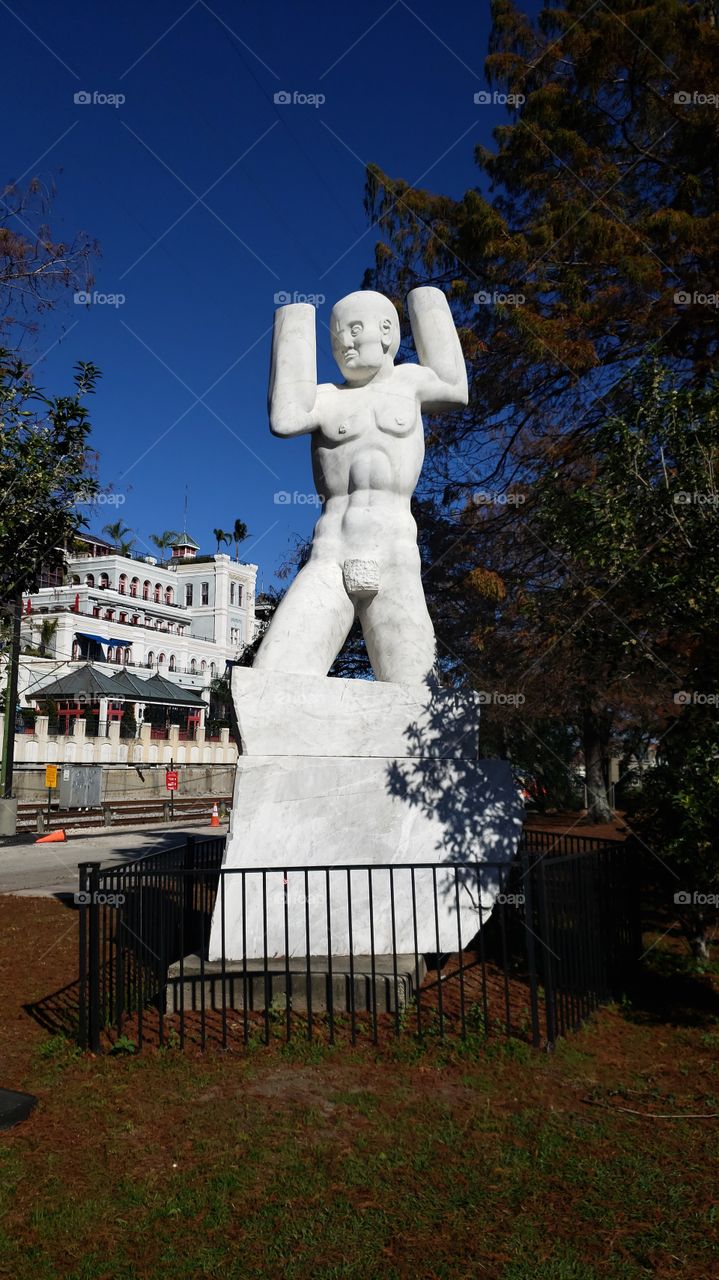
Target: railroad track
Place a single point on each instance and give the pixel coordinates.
(32, 815)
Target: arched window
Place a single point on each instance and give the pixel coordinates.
(160, 659)
(90, 580)
(203, 665)
(146, 590)
(122, 617)
(75, 650)
(109, 614)
(151, 659)
(104, 581)
(110, 653)
(171, 664)
(169, 595)
(122, 584)
(126, 653)
(134, 585)
(193, 666)
(213, 670)
(158, 592)
(75, 580)
(135, 619)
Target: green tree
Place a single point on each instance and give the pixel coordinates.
(238, 535)
(163, 542)
(44, 473)
(116, 532)
(222, 537)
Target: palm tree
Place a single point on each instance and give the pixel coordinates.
(221, 536)
(47, 630)
(125, 547)
(116, 532)
(163, 541)
(238, 535)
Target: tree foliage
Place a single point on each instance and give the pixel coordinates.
(43, 472)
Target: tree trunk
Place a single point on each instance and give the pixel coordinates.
(595, 739)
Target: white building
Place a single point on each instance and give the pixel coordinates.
(183, 620)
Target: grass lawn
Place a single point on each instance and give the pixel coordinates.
(485, 1160)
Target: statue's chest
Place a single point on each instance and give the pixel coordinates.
(361, 414)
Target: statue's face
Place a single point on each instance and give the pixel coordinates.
(361, 330)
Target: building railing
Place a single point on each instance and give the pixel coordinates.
(561, 938)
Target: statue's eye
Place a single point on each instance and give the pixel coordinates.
(355, 329)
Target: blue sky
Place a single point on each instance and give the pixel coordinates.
(182, 401)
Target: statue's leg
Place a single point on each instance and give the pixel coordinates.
(397, 627)
(310, 625)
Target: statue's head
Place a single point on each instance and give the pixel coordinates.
(364, 328)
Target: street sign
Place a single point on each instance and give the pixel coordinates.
(171, 779)
(50, 775)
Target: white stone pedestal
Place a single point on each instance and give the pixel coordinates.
(337, 774)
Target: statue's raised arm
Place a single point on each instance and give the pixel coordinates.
(293, 371)
(438, 348)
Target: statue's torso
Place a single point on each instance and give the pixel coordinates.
(367, 456)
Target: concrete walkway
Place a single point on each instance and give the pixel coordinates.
(44, 870)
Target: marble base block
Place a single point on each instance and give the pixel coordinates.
(338, 776)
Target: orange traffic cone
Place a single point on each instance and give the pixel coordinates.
(52, 838)
(215, 819)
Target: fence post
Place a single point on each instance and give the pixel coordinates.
(93, 958)
(188, 891)
(544, 939)
(527, 870)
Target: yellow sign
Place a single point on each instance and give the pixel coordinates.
(50, 775)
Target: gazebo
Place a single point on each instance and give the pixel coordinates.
(102, 698)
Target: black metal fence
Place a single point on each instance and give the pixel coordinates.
(535, 946)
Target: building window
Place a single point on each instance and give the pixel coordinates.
(205, 593)
(160, 659)
(171, 664)
(104, 581)
(109, 614)
(96, 611)
(203, 665)
(122, 617)
(122, 584)
(126, 654)
(188, 594)
(75, 650)
(169, 595)
(146, 590)
(75, 580)
(193, 666)
(90, 580)
(133, 587)
(239, 593)
(151, 659)
(213, 670)
(232, 593)
(158, 592)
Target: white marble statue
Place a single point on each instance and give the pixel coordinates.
(367, 454)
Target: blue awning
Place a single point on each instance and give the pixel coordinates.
(127, 643)
(85, 635)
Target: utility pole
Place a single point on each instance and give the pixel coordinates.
(14, 612)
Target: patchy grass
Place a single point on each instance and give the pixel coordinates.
(447, 1162)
